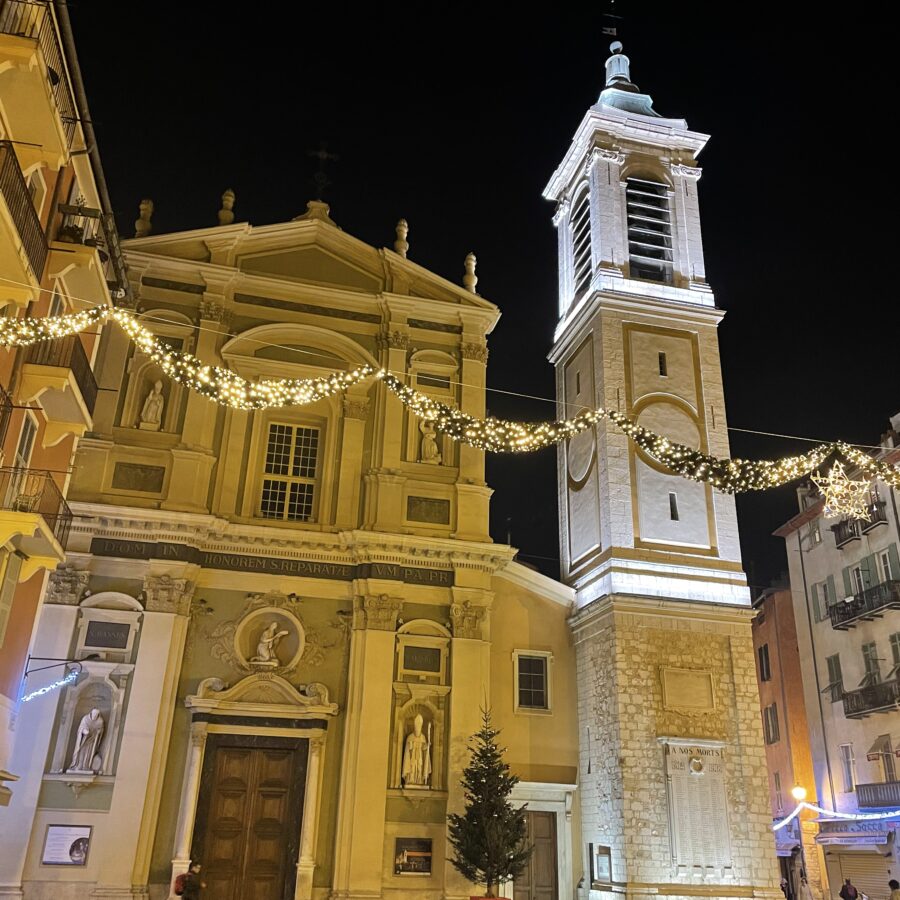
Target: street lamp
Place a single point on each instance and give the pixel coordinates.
(798, 792)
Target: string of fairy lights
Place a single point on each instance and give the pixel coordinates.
(844, 496)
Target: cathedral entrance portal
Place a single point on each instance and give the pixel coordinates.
(250, 809)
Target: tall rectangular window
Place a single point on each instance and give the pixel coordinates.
(532, 681)
(848, 767)
(581, 244)
(895, 655)
(870, 664)
(770, 722)
(26, 442)
(10, 566)
(673, 506)
(887, 572)
(779, 799)
(765, 670)
(835, 678)
(292, 459)
(663, 365)
(649, 230)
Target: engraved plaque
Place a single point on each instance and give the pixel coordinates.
(111, 635)
(422, 659)
(135, 477)
(698, 811)
(687, 689)
(427, 509)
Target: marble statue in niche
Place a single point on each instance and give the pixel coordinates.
(429, 452)
(87, 743)
(267, 646)
(152, 410)
(416, 771)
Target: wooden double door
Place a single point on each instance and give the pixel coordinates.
(539, 880)
(247, 831)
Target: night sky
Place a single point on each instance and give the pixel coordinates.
(455, 117)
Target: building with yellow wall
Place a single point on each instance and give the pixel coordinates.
(360, 535)
(58, 253)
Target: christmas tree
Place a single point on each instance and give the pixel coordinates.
(489, 839)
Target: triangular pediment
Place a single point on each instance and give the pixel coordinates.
(311, 264)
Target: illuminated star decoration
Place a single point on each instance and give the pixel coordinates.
(843, 496)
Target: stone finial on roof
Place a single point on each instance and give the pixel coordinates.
(470, 279)
(401, 245)
(142, 224)
(226, 213)
(316, 209)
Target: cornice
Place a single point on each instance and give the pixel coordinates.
(537, 583)
(215, 534)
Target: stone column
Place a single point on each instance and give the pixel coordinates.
(472, 494)
(609, 215)
(686, 213)
(193, 460)
(359, 847)
(190, 791)
(306, 864)
(470, 691)
(813, 859)
(356, 413)
(564, 250)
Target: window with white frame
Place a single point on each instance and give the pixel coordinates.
(649, 230)
(895, 656)
(859, 582)
(25, 446)
(815, 533)
(289, 473)
(887, 571)
(848, 767)
(532, 680)
(57, 303)
(10, 566)
(580, 227)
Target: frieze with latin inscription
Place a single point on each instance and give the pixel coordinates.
(267, 565)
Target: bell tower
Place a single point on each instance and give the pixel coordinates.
(673, 774)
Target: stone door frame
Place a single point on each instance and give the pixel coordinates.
(257, 705)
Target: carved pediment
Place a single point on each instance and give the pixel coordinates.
(313, 264)
(263, 694)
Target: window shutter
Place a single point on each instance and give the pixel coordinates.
(869, 567)
(848, 584)
(815, 603)
(832, 591)
(895, 562)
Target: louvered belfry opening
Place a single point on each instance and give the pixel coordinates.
(581, 244)
(649, 230)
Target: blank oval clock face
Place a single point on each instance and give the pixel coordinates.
(580, 455)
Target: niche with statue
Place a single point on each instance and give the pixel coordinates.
(420, 707)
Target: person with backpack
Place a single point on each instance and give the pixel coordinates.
(189, 884)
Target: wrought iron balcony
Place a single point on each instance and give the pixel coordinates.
(874, 698)
(93, 228)
(33, 491)
(870, 604)
(21, 208)
(33, 20)
(67, 353)
(876, 796)
(877, 516)
(845, 531)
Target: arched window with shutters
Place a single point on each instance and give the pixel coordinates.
(649, 230)
(580, 226)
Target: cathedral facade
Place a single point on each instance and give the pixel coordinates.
(289, 620)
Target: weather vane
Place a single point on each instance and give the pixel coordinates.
(320, 179)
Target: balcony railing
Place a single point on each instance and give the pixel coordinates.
(92, 228)
(33, 19)
(877, 516)
(32, 491)
(846, 530)
(874, 796)
(21, 208)
(874, 698)
(67, 352)
(6, 408)
(869, 604)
